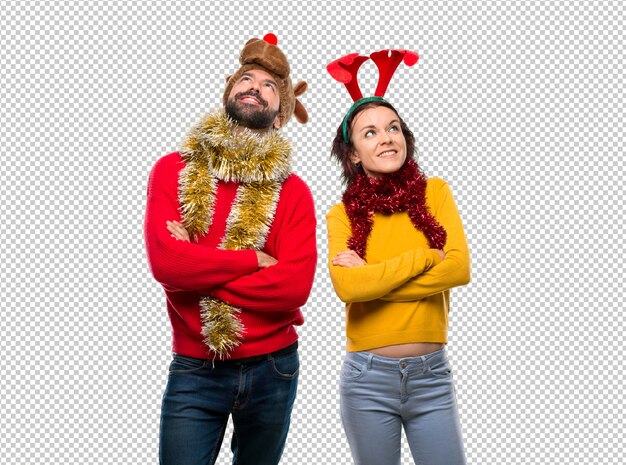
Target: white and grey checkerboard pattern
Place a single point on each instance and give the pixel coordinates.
(519, 105)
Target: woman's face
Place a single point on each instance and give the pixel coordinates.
(378, 142)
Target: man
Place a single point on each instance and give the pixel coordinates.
(230, 234)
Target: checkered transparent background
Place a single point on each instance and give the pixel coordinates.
(519, 105)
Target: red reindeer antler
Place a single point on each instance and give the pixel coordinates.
(345, 70)
(387, 62)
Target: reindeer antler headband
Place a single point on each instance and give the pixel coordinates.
(345, 70)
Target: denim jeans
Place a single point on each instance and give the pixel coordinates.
(201, 394)
(379, 396)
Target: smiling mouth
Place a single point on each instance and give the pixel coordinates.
(387, 154)
(250, 100)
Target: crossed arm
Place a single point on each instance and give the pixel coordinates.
(249, 279)
(181, 265)
(178, 232)
(282, 283)
(413, 275)
(454, 270)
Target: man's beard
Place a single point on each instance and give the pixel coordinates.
(250, 116)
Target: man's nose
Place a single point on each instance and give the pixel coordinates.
(255, 85)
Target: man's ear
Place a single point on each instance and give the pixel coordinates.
(277, 122)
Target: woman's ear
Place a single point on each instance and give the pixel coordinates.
(354, 157)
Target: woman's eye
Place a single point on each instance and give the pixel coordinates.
(369, 133)
(394, 128)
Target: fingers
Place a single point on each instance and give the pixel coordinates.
(265, 260)
(348, 253)
(348, 258)
(177, 230)
(348, 263)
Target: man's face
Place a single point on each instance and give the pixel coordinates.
(254, 100)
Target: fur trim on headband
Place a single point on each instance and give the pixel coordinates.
(261, 163)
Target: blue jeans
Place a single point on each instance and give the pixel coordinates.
(201, 394)
(380, 395)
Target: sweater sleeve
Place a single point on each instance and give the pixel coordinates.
(286, 285)
(180, 265)
(454, 270)
(370, 282)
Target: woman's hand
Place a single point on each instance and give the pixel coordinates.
(348, 258)
(442, 254)
(177, 231)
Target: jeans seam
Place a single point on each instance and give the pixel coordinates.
(218, 443)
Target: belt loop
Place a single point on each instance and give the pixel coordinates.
(370, 357)
(425, 366)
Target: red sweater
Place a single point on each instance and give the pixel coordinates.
(269, 299)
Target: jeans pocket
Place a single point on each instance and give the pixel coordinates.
(441, 369)
(286, 366)
(351, 370)
(183, 364)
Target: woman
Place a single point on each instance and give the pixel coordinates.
(396, 247)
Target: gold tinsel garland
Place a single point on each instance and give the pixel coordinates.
(260, 164)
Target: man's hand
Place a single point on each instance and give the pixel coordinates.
(348, 258)
(265, 260)
(177, 231)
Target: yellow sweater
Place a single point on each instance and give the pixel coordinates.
(402, 294)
